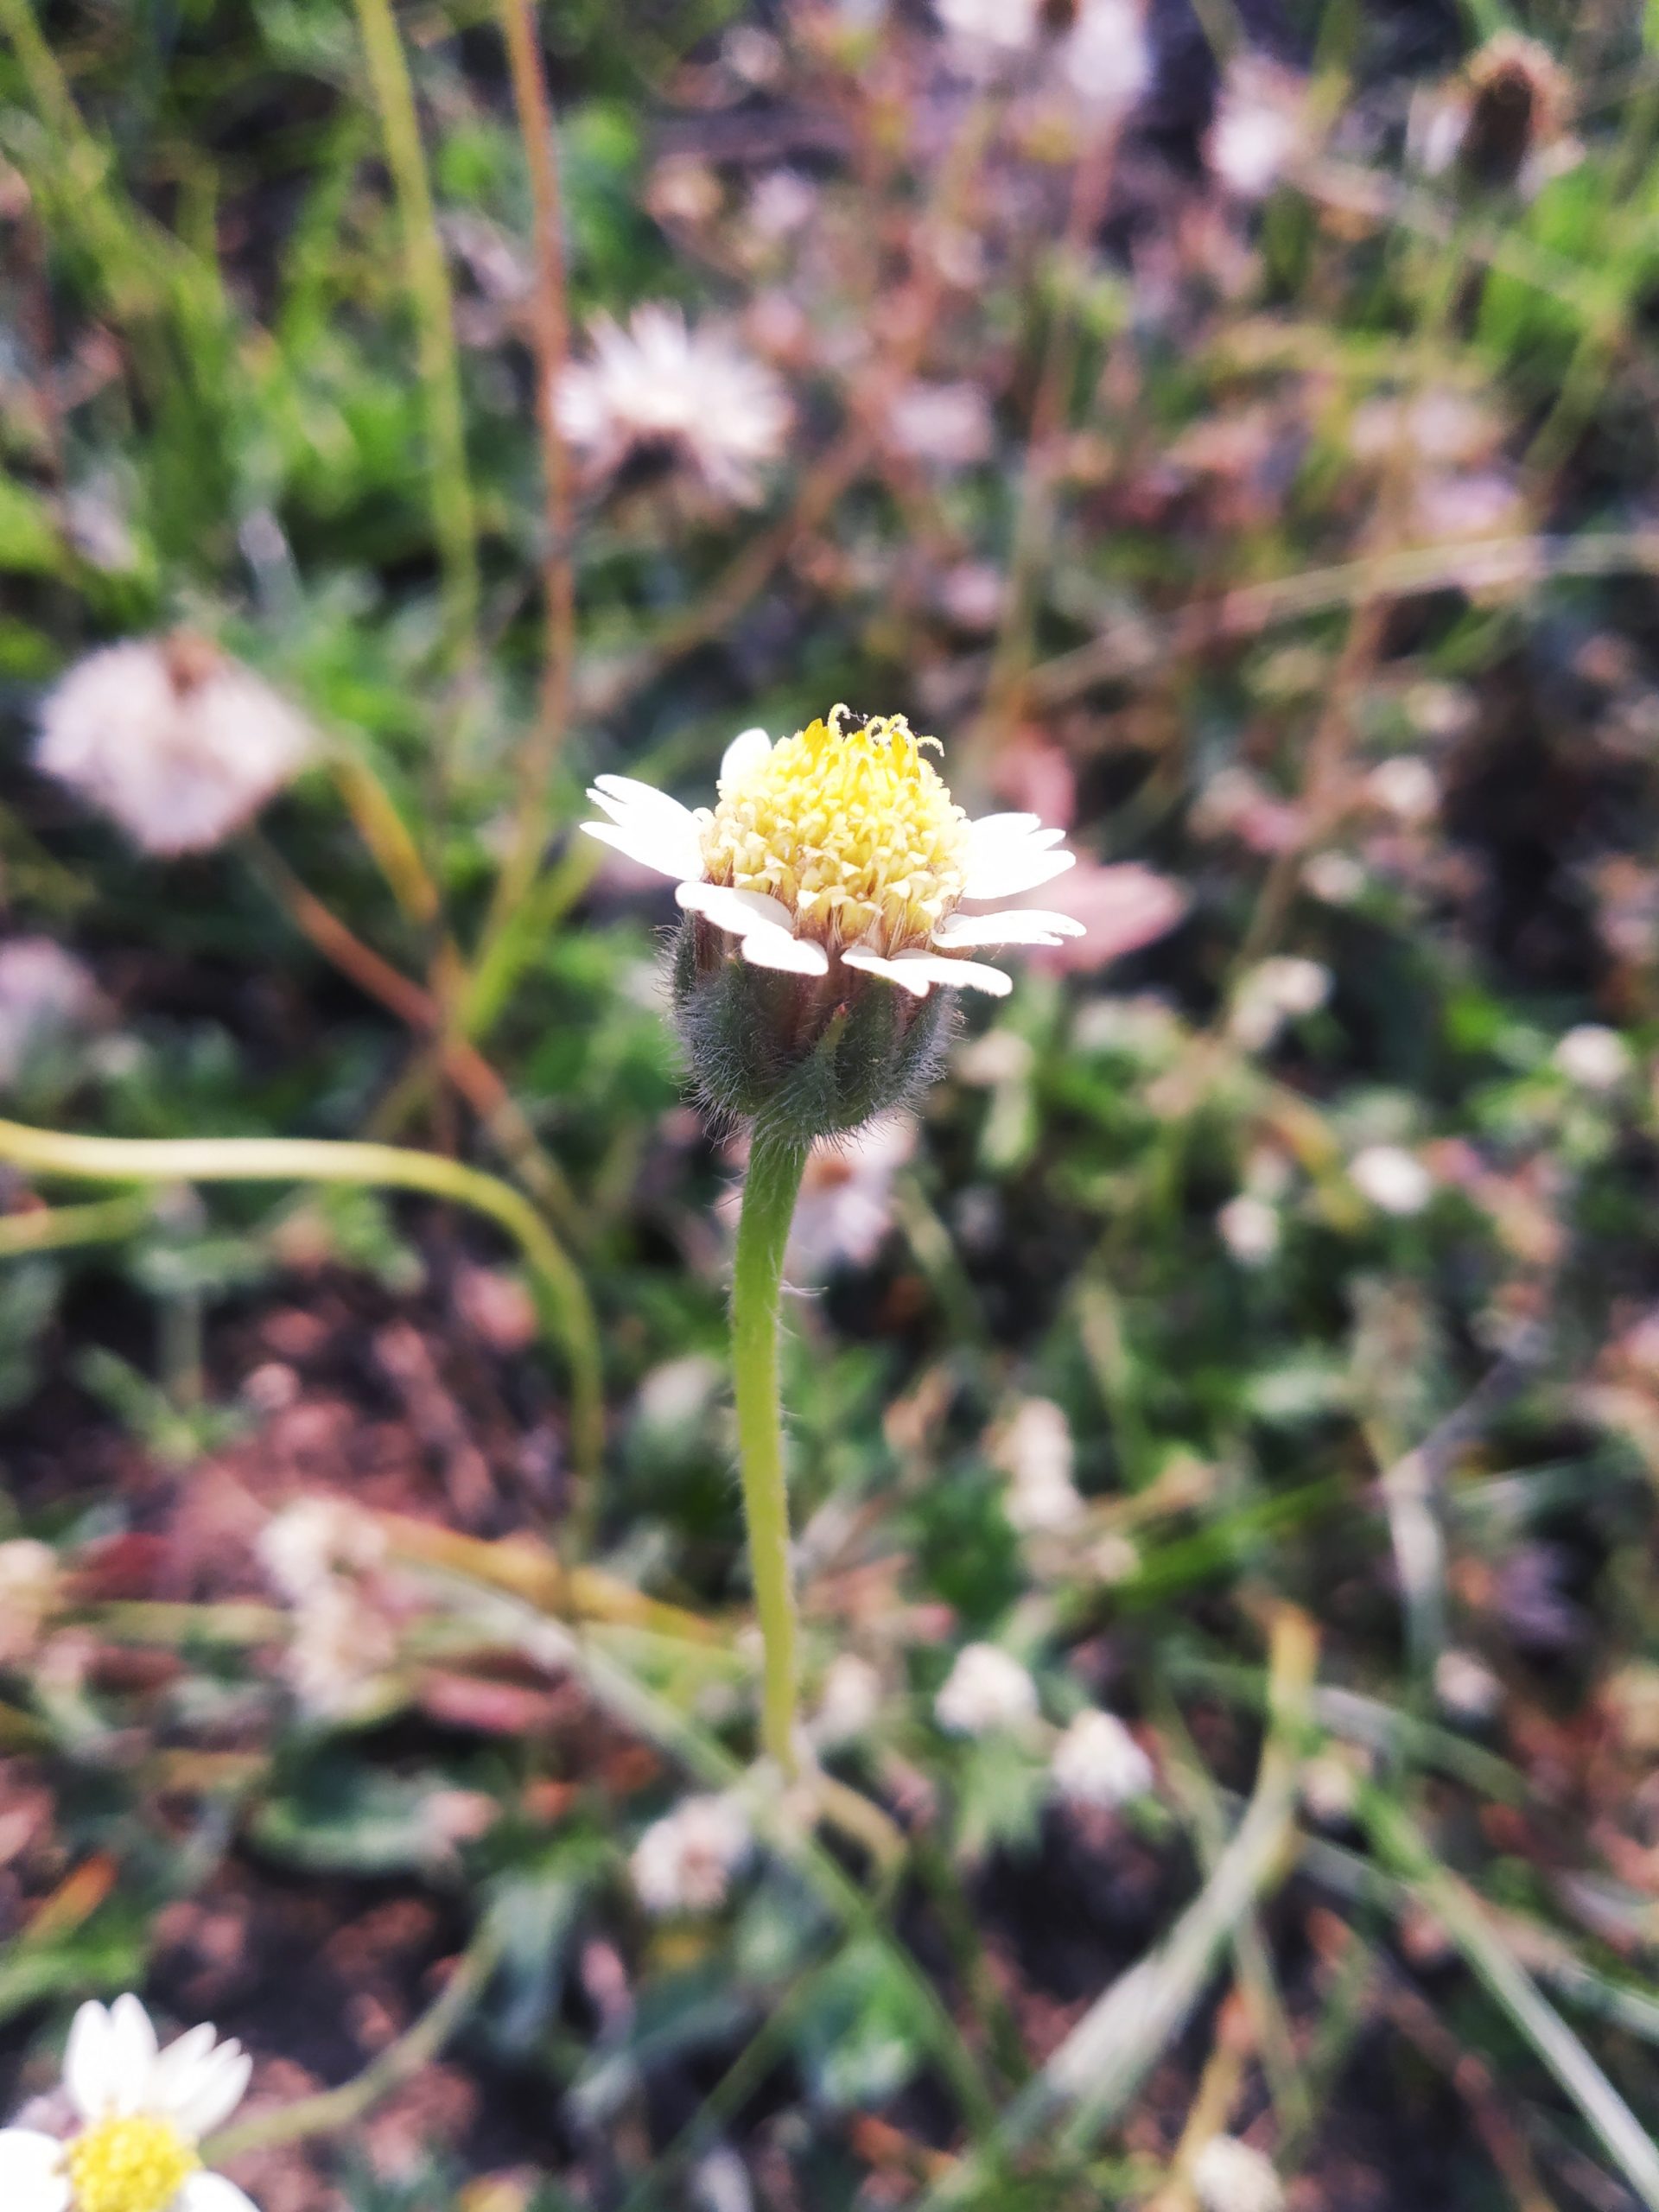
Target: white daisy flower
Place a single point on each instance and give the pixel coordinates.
(142, 2111)
(178, 743)
(841, 848)
(696, 396)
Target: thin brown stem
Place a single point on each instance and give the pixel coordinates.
(470, 1074)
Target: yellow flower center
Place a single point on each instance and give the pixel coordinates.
(848, 825)
(136, 2164)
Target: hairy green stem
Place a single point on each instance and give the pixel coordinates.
(776, 1165)
(562, 1295)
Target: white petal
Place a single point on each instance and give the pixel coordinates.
(740, 911)
(630, 803)
(795, 955)
(1018, 926)
(211, 2193)
(996, 829)
(179, 2066)
(1007, 872)
(132, 2063)
(957, 975)
(746, 751)
(872, 963)
(628, 791)
(31, 2175)
(653, 846)
(200, 2090)
(88, 2062)
(916, 972)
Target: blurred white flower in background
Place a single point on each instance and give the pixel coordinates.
(1465, 1686)
(176, 742)
(1035, 1451)
(340, 1652)
(1395, 1180)
(781, 202)
(1250, 1229)
(973, 594)
(1449, 430)
(29, 1591)
(1259, 126)
(1010, 24)
(321, 1553)
(1482, 503)
(719, 2181)
(310, 1543)
(144, 2111)
(1105, 58)
(1228, 2176)
(1276, 991)
(946, 424)
(1337, 878)
(44, 992)
(1406, 787)
(1098, 1762)
(684, 1862)
(985, 1691)
(845, 1208)
(849, 1703)
(697, 397)
(1594, 1057)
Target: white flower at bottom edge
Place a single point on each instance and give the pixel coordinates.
(142, 2111)
(841, 846)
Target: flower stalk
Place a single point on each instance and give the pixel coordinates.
(829, 898)
(776, 1161)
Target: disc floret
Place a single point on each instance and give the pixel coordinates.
(848, 825)
(135, 2163)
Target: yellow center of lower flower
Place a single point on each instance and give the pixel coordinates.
(850, 827)
(136, 2164)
